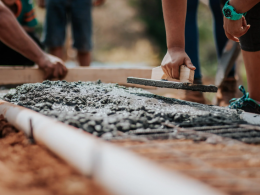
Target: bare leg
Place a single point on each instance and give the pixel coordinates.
(84, 58)
(57, 51)
(252, 65)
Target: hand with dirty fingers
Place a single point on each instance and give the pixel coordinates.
(53, 67)
(172, 61)
(235, 28)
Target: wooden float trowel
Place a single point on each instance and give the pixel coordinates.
(159, 79)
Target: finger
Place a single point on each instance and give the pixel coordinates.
(245, 31)
(244, 23)
(60, 72)
(169, 68)
(176, 71)
(189, 64)
(56, 72)
(63, 71)
(48, 75)
(165, 70)
(229, 36)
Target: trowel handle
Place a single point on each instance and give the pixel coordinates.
(186, 74)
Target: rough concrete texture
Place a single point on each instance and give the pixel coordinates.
(174, 85)
(105, 109)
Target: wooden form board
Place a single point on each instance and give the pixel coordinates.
(20, 75)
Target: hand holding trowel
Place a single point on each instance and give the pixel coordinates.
(178, 68)
(175, 72)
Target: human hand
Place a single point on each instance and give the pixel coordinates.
(53, 67)
(41, 3)
(98, 2)
(235, 28)
(172, 61)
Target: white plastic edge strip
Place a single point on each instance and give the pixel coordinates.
(251, 118)
(120, 171)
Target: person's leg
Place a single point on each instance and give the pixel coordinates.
(219, 33)
(55, 26)
(252, 60)
(56, 51)
(192, 49)
(82, 29)
(84, 58)
(250, 45)
(192, 36)
(227, 90)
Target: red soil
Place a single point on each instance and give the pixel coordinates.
(27, 169)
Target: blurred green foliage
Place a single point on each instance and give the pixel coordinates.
(207, 49)
(150, 13)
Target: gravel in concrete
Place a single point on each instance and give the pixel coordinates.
(104, 109)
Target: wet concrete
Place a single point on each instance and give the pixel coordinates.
(105, 109)
(172, 85)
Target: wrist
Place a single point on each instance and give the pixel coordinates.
(230, 12)
(41, 61)
(176, 49)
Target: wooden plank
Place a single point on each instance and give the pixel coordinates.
(19, 75)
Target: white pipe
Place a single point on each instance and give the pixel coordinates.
(251, 118)
(137, 176)
(120, 171)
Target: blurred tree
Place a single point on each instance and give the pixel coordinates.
(150, 12)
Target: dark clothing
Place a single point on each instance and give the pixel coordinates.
(192, 34)
(11, 57)
(251, 40)
(59, 14)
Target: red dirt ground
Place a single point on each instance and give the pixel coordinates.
(27, 169)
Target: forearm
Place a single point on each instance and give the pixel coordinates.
(174, 12)
(243, 6)
(13, 35)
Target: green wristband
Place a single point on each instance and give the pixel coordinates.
(230, 12)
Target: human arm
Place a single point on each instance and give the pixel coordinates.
(237, 28)
(174, 18)
(12, 34)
